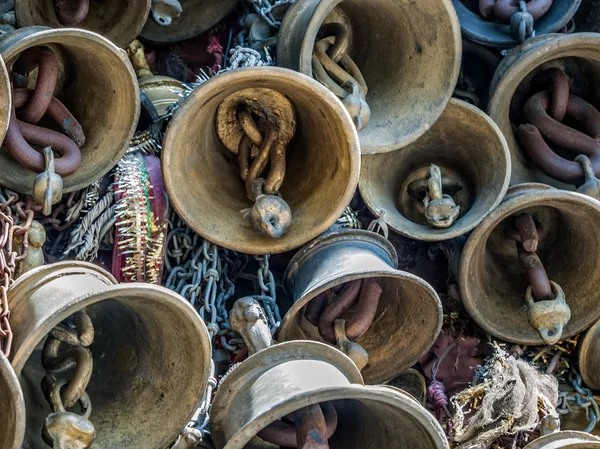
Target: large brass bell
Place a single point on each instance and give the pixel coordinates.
(151, 355)
(405, 318)
(118, 21)
(12, 418)
(589, 357)
(203, 175)
(565, 440)
(408, 56)
(472, 168)
(108, 113)
(305, 379)
(577, 54)
(177, 20)
(527, 275)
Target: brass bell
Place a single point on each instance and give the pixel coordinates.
(493, 33)
(6, 99)
(150, 353)
(118, 21)
(320, 388)
(408, 58)
(108, 113)
(472, 155)
(536, 243)
(177, 20)
(12, 419)
(573, 53)
(202, 170)
(589, 357)
(568, 439)
(408, 314)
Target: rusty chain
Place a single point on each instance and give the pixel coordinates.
(334, 68)
(582, 397)
(544, 114)
(546, 302)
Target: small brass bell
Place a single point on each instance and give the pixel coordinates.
(320, 388)
(120, 22)
(229, 140)
(150, 358)
(392, 323)
(12, 425)
(108, 113)
(568, 439)
(442, 185)
(347, 45)
(504, 273)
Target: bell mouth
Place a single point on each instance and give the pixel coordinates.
(568, 439)
(150, 350)
(409, 57)
(118, 21)
(497, 34)
(12, 419)
(108, 113)
(577, 54)
(202, 175)
(474, 162)
(493, 282)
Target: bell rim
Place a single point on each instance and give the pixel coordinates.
(480, 236)
(577, 437)
(585, 361)
(8, 375)
(207, 89)
(428, 234)
(381, 394)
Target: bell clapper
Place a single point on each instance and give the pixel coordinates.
(591, 186)
(356, 352)
(313, 425)
(48, 185)
(164, 11)
(36, 237)
(547, 308)
(66, 430)
(334, 68)
(441, 210)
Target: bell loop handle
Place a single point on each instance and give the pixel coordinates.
(548, 317)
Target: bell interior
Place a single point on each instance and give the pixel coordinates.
(462, 143)
(203, 181)
(417, 43)
(582, 65)
(114, 19)
(148, 375)
(107, 124)
(499, 281)
(406, 320)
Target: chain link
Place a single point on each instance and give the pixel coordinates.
(268, 293)
(581, 396)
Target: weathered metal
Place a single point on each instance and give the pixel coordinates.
(290, 376)
(589, 357)
(108, 113)
(587, 17)
(576, 54)
(568, 439)
(408, 55)
(475, 167)
(120, 22)
(12, 418)
(492, 280)
(171, 23)
(498, 33)
(6, 97)
(151, 352)
(408, 315)
(322, 163)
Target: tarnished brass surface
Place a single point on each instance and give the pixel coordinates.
(471, 152)
(589, 357)
(409, 313)
(565, 440)
(413, 383)
(5, 99)
(151, 353)
(409, 54)
(108, 112)
(577, 54)
(202, 176)
(286, 377)
(196, 17)
(117, 20)
(492, 279)
(12, 417)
